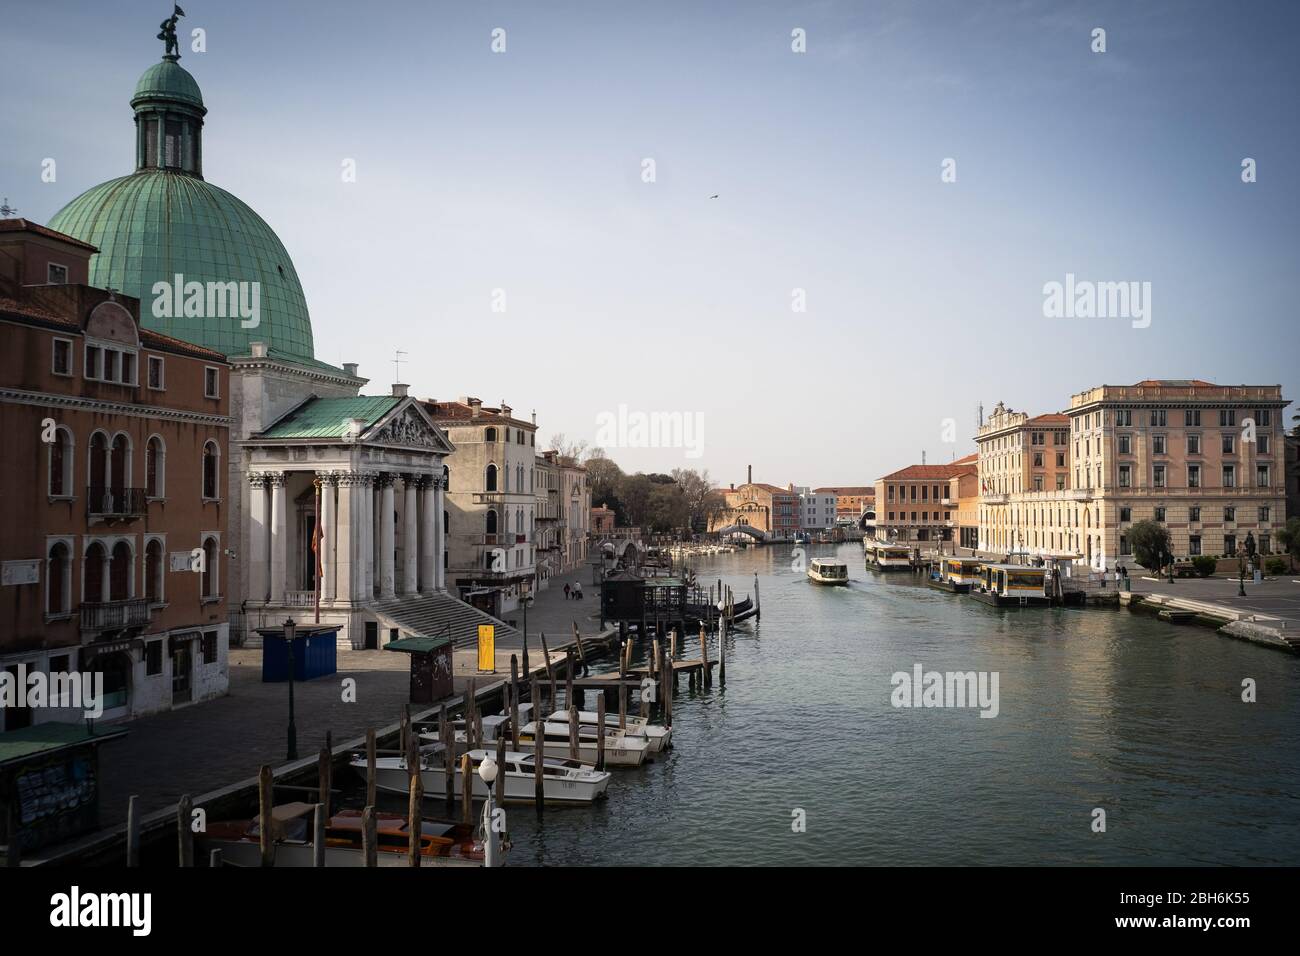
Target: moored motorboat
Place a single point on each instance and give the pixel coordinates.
(441, 843)
(563, 781)
(621, 749)
(828, 571)
(657, 736)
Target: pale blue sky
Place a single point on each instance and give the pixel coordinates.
(521, 171)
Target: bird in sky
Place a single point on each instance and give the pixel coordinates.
(714, 196)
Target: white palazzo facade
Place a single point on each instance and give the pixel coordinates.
(368, 472)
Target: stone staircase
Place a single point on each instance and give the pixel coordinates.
(429, 615)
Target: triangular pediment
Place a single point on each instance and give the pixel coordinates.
(407, 426)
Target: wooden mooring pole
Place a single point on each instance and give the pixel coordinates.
(514, 707)
(133, 831)
(600, 731)
(264, 801)
(184, 835)
(539, 752)
(372, 783)
(369, 837)
(466, 789)
(319, 816)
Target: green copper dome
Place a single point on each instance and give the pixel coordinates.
(154, 224)
(168, 80)
(165, 221)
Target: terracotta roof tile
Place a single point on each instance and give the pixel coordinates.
(26, 225)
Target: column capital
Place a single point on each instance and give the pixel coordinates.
(276, 479)
(349, 479)
(327, 477)
(257, 479)
(385, 479)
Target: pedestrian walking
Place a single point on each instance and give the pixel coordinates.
(566, 591)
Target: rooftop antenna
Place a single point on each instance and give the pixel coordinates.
(7, 210)
(397, 364)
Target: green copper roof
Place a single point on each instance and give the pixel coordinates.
(324, 417)
(155, 223)
(168, 80)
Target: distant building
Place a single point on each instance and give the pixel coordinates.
(113, 494)
(602, 520)
(816, 509)
(922, 503)
(1206, 461)
(852, 502)
(773, 512)
(491, 502)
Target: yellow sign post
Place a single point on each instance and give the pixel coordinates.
(487, 649)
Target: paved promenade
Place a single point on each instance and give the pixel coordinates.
(1276, 597)
(206, 746)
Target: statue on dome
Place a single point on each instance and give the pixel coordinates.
(168, 34)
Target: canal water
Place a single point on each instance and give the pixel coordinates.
(1096, 709)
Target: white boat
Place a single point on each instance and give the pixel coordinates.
(563, 781)
(621, 749)
(828, 571)
(656, 735)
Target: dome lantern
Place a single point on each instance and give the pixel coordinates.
(169, 111)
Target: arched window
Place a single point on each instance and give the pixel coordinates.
(211, 464)
(153, 571)
(61, 463)
(210, 582)
(505, 477)
(119, 573)
(155, 457)
(58, 578)
(490, 434)
(519, 477)
(94, 567)
(490, 479)
(491, 521)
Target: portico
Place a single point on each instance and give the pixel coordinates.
(356, 486)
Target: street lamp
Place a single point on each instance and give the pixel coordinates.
(487, 771)
(290, 630)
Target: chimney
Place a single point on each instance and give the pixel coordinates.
(399, 390)
(751, 474)
(505, 409)
(350, 368)
(257, 349)
(475, 405)
(733, 486)
(534, 416)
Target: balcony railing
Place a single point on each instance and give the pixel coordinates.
(116, 502)
(107, 615)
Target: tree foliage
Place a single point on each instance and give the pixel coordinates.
(1150, 543)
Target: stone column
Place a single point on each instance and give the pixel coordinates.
(440, 536)
(366, 544)
(387, 538)
(328, 560)
(345, 549)
(259, 541)
(376, 532)
(428, 537)
(279, 536)
(410, 536)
